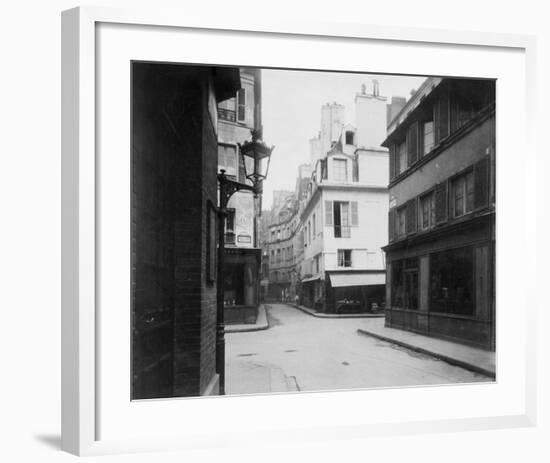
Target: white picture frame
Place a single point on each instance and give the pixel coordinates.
(83, 397)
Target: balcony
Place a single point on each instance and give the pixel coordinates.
(227, 115)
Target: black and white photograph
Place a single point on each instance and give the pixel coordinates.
(300, 231)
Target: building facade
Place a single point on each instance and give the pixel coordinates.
(173, 227)
(341, 267)
(237, 116)
(441, 252)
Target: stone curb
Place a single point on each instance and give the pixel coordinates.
(333, 315)
(445, 358)
(261, 323)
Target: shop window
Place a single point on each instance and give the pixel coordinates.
(452, 281)
(344, 257)
(404, 284)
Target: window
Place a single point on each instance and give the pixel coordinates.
(452, 281)
(349, 137)
(428, 137)
(355, 169)
(340, 167)
(404, 284)
(427, 211)
(309, 232)
(272, 260)
(324, 175)
(227, 160)
(230, 227)
(314, 220)
(344, 257)
(462, 194)
(341, 220)
(402, 157)
(401, 222)
(241, 105)
(278, 256)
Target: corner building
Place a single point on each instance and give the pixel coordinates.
(441, 251)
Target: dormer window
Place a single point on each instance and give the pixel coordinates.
(340, 170)
(349, 137)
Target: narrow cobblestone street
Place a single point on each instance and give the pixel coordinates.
(301, 352)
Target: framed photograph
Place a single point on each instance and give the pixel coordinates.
(267, 227)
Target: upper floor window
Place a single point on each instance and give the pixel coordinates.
(241, 105)
(314, 222)
(344, 257)
(401, 222)
(462, 194)
(324, 175)
(340, 168)
(402, 157)
(427, 137)
(427, 211)
(341, 219)
(227, 160)
(349, 137)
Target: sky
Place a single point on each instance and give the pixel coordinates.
(291, 113)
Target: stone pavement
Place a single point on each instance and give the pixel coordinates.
(471, 358)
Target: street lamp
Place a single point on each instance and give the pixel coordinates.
(256, 156)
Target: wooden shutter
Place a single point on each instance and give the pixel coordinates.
(412, 143)
(481, 183)
(391, 224)
(441, 202)
(328, 213)
(355, 169)
(393, 150)
(242, 177)
(354, 214)
(241, 105)
(412, 215)
(441, 117)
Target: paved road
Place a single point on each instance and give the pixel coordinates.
(301, 352)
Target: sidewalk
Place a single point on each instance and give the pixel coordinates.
(256, 378)
(261, 323)
(335, 315)
(470, 358)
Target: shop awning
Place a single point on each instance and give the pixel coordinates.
(305, 280)
(339, 280)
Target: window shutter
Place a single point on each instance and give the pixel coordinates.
(242, 177)
(241, 105)
(391, 224)
(393, 149)
(481, 183)
(355, 167)
(354, 215)
(441, 117)
(328, 213)
(441, 202)
(411, 216)
(412, 143)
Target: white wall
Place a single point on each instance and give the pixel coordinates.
(367, 238)
(370, 118)
(30, 236)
